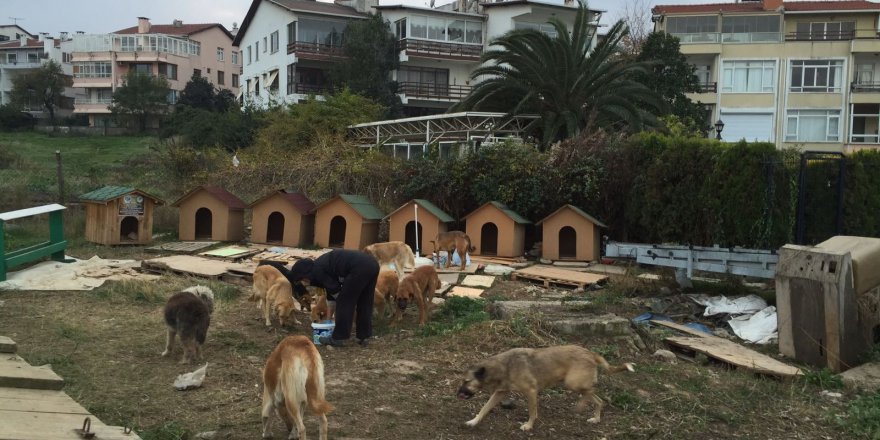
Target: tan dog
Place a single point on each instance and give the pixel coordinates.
(294, 377)
(418, 287)
(188, 315)
(396, 252)
(274, 293)
(453, 241)
(322, 311)
(386, 291)
(529, 370)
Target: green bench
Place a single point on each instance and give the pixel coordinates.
(53, 248)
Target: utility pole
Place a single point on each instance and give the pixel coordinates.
(60, 177)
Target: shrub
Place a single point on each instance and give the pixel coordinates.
(862, 416)
(456, 314)
(13, 119)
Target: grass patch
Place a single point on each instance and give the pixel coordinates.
(224, 291)
(625, 400)
(133, 291)
(168, 431)
(862, 416)
(824, 379)
(456, 314)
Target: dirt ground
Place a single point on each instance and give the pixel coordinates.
(106, 344)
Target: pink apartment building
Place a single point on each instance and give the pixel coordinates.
(176, 51)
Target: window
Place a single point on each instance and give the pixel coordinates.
(455, 31)
(221, 78)
(273, 40)
(423, 81)
(257, 51)
(168, 70)
(234, 80)
(328, 32)
(265, 45)
(545, 28)
(291, 75)
(440, 29)
(816, 76)
(419, 26)
(92, 70)
(172, 97)
(692, 25)
(219, 54)
(436, 29)
(291, 32)
(835, 30)
(11, 58)
(249, 54)
(142, 68)
(128, 43)
(473, 32)
(4, 38)
(400, 29)
(748, 76)
(33, 57)
(749, 29)
(65, 57)
(865, 125)
(197, 73)
(235, 58)
(812, 126)
(865, 74)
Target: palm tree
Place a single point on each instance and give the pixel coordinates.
(572, 88)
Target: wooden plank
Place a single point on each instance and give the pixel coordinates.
(561, 276)
(478, 281)
(470, 269)
(468, 292)
(7, 345)
(29, 212)
(193, 265)
(606, 269)
(16, 373)
(735, 354)
(184, 247)
(15, 425)
(682, 328)
(44, 401)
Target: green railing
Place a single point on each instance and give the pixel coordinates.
(53, 248)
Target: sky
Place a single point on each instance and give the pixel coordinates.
(104, 16)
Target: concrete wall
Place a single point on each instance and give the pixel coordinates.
(297, 227)
(511, 236)
(587, 243)
(226, 224)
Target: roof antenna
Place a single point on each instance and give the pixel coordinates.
(15, 20)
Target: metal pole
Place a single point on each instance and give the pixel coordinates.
(416, 227)
(800, 222)
(60, 177)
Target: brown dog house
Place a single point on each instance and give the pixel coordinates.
(347, 221)
(119, 215)
(210, 213)
(571, 234)
(496, 230)
(285, 218)
(402, 225)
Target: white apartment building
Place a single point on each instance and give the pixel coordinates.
(24, 54)
(288, 46)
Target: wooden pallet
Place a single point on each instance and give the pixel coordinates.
(552, 275)
(182, 247)
(273, 256)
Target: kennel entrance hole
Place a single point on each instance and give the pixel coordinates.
(337, 232)
(489, 239)
(568, 243)
(410, 236)
(128, 226)
(204, 224)
(275, 228)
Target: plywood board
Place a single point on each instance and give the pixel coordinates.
(682, 328)
(478, 281)
(7, 345)
(182, 247)
(735, 354)
(16, 373)
(232, 252)
(549, 275)
(649, 276)
(194, 265)
(54, 426)
(273, 256)
(606, 269)
(469, 269)
(469, 292)
(449, 278)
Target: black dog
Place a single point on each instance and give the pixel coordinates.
(299, 291)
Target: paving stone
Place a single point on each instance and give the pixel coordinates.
(7, 345)
(864, 377)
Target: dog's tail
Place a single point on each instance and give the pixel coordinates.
(315, 386)
(611, 369)
(410, 257)
(470, 246)
(204, 293)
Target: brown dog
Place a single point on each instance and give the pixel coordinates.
(294, 377)
(396, 252)
(386, 291)
(188, 314)
(321, 311)
(418, 287)
(453, 241)
(529, 370)
(274, 293)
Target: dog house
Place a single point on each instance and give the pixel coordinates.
(402, 224)
(496, 230)
(570, 234)
(119, 215)
(828, 301)
(210, 213)
(285, 218)
(347, 221)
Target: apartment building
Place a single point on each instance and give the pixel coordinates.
(802, 74)
(24, 55)
(289, 46)
(176, 51)
(13, 32)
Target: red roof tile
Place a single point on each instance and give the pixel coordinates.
(854, 5)
(16, 43)
(184, 30)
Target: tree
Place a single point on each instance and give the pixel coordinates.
(44, 87)
(371, 55)
(636, 14)
(141, 98)
(671, 76)
(198, 93)
(572, 88)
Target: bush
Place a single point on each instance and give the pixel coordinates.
(456, 314)
(862, 416)
(200, 128)
(13, 119)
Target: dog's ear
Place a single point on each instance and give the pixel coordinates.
(480, 373)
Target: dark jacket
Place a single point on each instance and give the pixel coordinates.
(330, 269)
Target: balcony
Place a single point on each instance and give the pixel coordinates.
(441, 50)
(90, 107)
(311, 89)
(708, 87)
(87, 101)
(698, 38)
(865, 87)
(821, 36)
(752, 37)
(315, 51)
(19, 64)
(433, 92)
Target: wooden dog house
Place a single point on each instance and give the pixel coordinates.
(347, 221)
(402, 225)
(285, 218)
(210, 213)
(119, 215)
(571, 234)
(496, 230)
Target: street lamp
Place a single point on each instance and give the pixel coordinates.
(719, 125)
